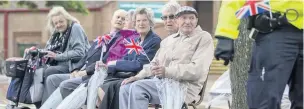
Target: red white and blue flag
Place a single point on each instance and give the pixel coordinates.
(253, 7)
(101, 40)
(132, 45)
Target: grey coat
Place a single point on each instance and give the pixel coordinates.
(77, 46)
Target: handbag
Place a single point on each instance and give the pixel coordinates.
(16, 68)
(124, 74)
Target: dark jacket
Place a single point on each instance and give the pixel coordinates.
(93, 55)
(134, 62)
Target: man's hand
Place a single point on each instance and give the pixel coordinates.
(80, 73)
(72, 75)
(129, 80)
(224, 49)
(158, 71)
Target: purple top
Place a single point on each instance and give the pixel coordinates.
(118, 50)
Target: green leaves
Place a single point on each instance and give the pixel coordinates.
(78, 6)
(28, 4)
(3, 2)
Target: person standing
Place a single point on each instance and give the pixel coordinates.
(277, 54)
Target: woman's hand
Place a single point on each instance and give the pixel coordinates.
(51, 54)
(112, 63)
(129, 80)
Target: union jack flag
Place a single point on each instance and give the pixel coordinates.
(100, 40)
(253, 7)
(132, 45)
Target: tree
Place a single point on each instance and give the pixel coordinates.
(240, 66)
(79, 6)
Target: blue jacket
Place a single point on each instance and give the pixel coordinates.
(133, 62)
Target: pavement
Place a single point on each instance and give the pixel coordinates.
(4, 82)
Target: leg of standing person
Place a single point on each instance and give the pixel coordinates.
(296, 79)
(273, 59)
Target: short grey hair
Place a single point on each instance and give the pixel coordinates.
(130, 14)
(171, 6)
(146, 11)
(55, 11)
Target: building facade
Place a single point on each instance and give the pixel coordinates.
(22, 27)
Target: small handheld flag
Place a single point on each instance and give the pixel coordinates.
(253, 7)
(132, 45)
(100, 40)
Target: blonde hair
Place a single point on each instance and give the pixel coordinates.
(171, 6)
(59, 10)
(146, 11)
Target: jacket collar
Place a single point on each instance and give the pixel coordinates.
(194, 33)
(150, 33)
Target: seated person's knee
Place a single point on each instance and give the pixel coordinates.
(50, 79)
(49, 71)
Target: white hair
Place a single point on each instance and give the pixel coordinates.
(146, 11)
(55, 11)
(171, 6)
(131, 14)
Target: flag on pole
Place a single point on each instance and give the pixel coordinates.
(132, 45)
(253, 7)
(100, 40)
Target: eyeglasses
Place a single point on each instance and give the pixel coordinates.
(166, 17)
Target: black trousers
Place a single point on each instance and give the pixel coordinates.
(111, 98)
(277, 60)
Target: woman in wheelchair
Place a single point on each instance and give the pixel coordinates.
(67, 45)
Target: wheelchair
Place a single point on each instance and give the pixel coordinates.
(21, 71)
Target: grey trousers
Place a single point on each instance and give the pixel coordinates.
(62, 81)
(58, 69)
(52, 83)
(50, 71)
(138, 94)
(68, 86)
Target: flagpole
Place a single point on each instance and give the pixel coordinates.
(147, 57)
(270, 13)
